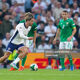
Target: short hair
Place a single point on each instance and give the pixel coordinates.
(50, 20)
(28, 16)
(65, 11)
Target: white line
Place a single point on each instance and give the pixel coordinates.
(29, 74)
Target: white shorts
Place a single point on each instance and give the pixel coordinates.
(66, 45)
(28, 43)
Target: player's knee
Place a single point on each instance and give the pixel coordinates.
(20, 51)
(7, 55)
(25, 51)
(24, 55)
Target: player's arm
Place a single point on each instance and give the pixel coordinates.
(20, 30)
(34, 38)
(73, 32)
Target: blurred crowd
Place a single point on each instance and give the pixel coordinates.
(47, 14)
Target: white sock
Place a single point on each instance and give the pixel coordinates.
(60, 66)
(16, 60)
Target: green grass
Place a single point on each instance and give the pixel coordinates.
(41, 74)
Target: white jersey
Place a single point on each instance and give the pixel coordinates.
(20, 34)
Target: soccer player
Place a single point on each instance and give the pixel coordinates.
(17, 41)
(32, 33)
(66, 29)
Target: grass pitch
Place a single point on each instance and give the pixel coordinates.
(41, 74)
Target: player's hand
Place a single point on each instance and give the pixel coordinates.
(34, 45)
(69, 39)
(30, 38)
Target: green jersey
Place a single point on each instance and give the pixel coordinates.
(66, 27)
(33, 28)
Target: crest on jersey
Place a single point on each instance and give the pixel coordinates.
(63, 26)
(73, 24)
(67, 23)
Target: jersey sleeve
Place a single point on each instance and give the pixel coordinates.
(22, 21)
(20, 31)
(73, 24)
(35, 26)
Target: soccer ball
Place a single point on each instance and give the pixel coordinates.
(34, 67)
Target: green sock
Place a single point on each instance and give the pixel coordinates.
(62, 61)
(23, 60)
(16, 56)
(70, 60)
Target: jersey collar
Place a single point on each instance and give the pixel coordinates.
(66, 19)
(25, 25)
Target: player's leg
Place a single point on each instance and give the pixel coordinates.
(62, 56)
(22, 53)
(71, 62)
(16, 55)
(3, 58)
(7, 62)
(28, 44)
(70, 46)
(9, 50)
(23, 61)
(22, 64)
